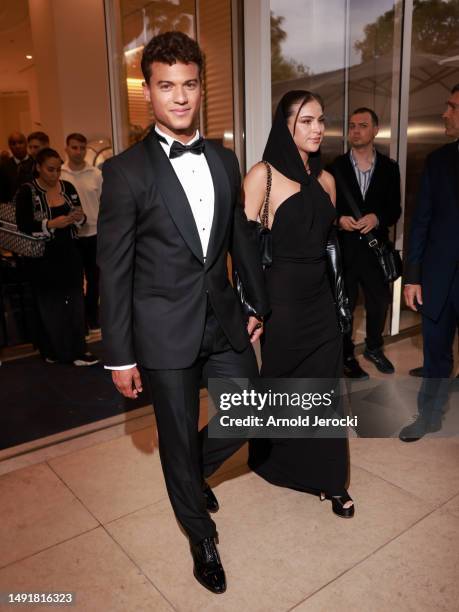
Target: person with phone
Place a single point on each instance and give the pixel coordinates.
(48, 206)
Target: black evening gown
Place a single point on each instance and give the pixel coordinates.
(56, 278)
(302, 339)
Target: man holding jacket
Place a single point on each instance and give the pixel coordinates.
(170, 213)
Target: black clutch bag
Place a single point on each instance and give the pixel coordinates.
(264, 243)
(262, 227)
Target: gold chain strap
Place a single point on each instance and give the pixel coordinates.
(265, 209)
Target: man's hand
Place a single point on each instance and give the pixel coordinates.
(366, 223)
(349, 224)
(413, 296)
(127, 382)
(254, 329)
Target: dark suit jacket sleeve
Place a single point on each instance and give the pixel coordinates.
(115, 257)
(389, 214)
(419, 229)
(5, 191)
(245, 253)
(25, 212)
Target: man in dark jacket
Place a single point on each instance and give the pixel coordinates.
(432, 272)
(11, 169)
(373, 181)
(170, 213)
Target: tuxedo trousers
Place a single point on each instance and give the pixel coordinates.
(188, 455)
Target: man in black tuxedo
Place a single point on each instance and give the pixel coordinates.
(373, 179)
(432, 273)
(11, 168)
(170, 213)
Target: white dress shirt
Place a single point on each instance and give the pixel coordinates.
(194, 175)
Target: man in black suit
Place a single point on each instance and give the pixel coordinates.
(373, 179)
(170, 213)
(10, 169)
(432, 273)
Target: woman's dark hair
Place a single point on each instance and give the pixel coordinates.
(301, 97)
(45, 154)
(170, 48)
(281, 151)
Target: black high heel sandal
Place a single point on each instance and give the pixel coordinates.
(338, 502)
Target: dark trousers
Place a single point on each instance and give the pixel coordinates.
(366, 272)
(59, 325)
(88, 251)
(438, 340)
(438, 336)
(188, 456)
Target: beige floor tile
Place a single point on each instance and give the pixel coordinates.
(427, 468)
(37, 511)
(452, 506)
(93, 567)
(416, 572)
(115, 477)
(25, 455)
(277, 545)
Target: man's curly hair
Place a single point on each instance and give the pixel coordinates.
(170, 48)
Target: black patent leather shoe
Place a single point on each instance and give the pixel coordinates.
(380, 360)
(417, 372)
(419, 428)
(208, 569)
(211, 500)
(352, 369)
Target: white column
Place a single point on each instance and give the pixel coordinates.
(257, 43)
(402, 150)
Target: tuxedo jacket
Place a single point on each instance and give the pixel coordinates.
(382, 198)
(433, 248)
(155, 283)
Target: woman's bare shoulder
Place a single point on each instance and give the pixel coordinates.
(257, 174)
(327, 178)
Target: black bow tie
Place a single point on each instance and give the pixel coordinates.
(178, 149)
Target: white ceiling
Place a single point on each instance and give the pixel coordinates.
(15, 44)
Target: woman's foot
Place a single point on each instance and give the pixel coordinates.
(342, 505)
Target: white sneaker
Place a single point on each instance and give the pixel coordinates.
(49, 360)
(86, 360)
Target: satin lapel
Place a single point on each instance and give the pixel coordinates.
(353, 184)
(173, 195)
(222, 203)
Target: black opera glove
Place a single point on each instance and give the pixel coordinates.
(247, 308)
(335, 272)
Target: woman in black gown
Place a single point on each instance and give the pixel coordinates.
(50, 207)
(302, 336)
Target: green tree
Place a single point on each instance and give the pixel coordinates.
(282, 69)
(435, 30)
